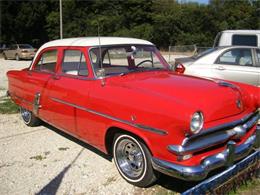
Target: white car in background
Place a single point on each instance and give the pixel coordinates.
(238, 37)
(235, 63)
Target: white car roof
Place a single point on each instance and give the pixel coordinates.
(94, 41)
(242, 31)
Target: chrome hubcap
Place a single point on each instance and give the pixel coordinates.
(26, 115)
(130, 158)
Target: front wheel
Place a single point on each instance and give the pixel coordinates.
(29, 118)
(133, 160)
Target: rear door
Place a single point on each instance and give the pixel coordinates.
(38, 80)
(237, 64)
(10, 53)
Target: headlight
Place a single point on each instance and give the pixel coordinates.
(196, 122)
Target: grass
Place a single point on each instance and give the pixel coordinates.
(63, 148)
(7, 106)
(110, 180)
(38, 157)
(250, 187)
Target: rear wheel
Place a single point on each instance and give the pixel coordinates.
(133, 160)
(29, 118)
(17, 58)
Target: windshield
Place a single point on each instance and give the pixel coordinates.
(208, 51)
(124, 59)
(25, 46)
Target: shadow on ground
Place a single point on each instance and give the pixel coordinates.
(52, 187)
(166, 182)
(83, 144)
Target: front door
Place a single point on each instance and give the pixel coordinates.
(237, 64)
(69, 90)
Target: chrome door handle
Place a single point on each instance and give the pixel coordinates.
(220, 68)
(56, 77)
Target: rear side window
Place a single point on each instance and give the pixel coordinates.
(242, 57)
(74, 63)
(248, 40)
(258, 55)
(47, 63)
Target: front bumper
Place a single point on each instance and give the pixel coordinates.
(224, 158)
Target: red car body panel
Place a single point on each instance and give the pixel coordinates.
(163, 100)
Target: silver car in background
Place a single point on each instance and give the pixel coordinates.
(19, 51)
(235, 63)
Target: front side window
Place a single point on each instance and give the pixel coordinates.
(242, 57)
(47, 62)
(13, 47)
(249, 40)
(128, 58)
(74, 63)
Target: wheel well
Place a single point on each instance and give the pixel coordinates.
(109, 139)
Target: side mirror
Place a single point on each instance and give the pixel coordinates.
(179, 68)
(101, 73)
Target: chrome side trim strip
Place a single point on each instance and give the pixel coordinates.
(140, 126)
(199, 172)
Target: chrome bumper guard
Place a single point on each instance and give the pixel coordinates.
(224, 158)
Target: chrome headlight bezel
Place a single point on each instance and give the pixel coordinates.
(196, 122)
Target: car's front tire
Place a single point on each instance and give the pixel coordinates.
(29, 118)
(133, 160)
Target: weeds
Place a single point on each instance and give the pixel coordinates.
(63, 148)
(38, 157)
(7, 106)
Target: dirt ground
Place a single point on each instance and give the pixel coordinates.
(43, 160)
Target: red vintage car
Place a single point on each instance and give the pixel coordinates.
(121, 96)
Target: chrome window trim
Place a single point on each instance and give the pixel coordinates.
(140, 126)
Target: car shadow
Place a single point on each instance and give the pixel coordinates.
(174, 184)
(166, 182)
(52, 187)
(81, 143)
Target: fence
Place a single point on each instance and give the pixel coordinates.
(181, 51)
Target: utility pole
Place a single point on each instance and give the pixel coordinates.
(61, 30)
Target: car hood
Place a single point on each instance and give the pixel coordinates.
(214, 99)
